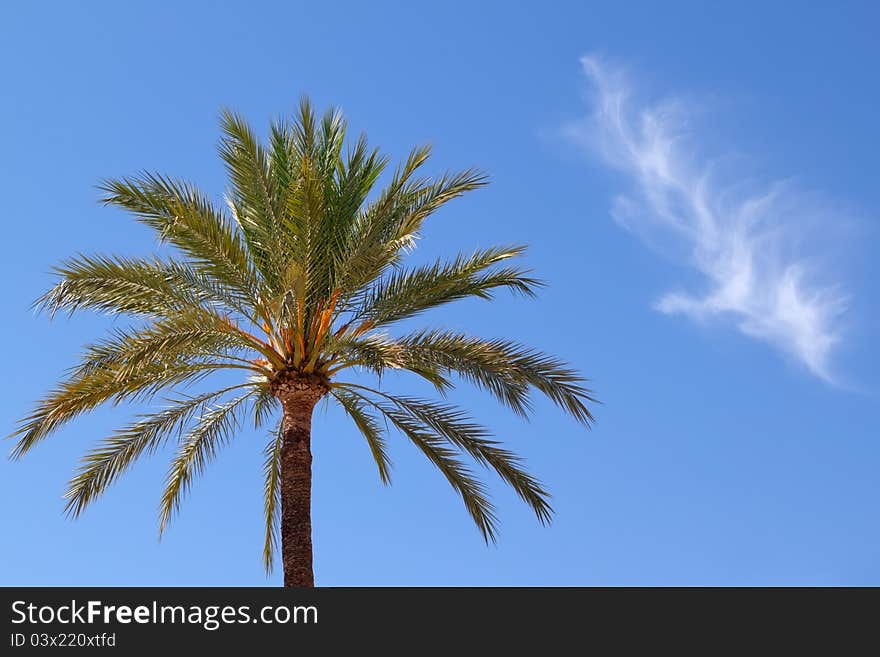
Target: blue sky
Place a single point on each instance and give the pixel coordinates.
(698, 187)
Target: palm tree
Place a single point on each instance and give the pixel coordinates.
(296, 281)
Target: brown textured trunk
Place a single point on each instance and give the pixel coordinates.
(298, 396)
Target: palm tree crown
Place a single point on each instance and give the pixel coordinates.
(297, 279)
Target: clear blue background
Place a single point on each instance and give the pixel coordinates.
(714, 461)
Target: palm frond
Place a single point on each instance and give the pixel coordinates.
(460, 430)
(199, 447)
(255, 196)
(346, 192)
(503, 367)
(188, 220)
(104, 464)
(184, 337)
(369, 428)
(265, 404)
(370, 245)
(378, 352)
(272, 497)
(84, 392)
(431, 196)
(151, 288)
(454, 425)
(406, 293)
(485, 363)
(356, 176)
(306, 208)
(434, 447)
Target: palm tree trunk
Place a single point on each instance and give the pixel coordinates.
(296, 483)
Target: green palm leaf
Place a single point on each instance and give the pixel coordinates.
(81, 393)
(150, 288)
(503, 367)
(272, 497)
(433, 446)
(104, 464)
(406, 293)
(369, 428)
(199, 447)
(188, 220)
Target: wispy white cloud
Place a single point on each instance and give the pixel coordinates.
(746, 240)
